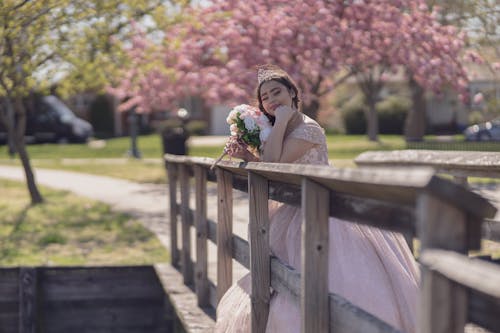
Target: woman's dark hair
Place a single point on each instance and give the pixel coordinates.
(283, 78)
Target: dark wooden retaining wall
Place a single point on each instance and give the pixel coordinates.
(84, 299)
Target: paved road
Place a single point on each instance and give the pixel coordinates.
(146, 202)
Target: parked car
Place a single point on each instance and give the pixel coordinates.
(50, 120)
(488, 131)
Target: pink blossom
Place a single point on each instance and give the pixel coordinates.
(314, 41)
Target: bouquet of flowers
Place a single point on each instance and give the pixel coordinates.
(248, 125)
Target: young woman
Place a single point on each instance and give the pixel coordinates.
(372, 268)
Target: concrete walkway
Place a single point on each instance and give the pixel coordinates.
(146, 202)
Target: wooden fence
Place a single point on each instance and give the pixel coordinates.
(443, 215)
(460, 165)
(83, 299)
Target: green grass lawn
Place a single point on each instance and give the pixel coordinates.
(339, 146)
(109, 158)
(70, 230)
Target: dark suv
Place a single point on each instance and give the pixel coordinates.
(50, 120)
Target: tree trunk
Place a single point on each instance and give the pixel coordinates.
(371, 90)
(134, 151)
(415, 122)
(20, 146)
(10, 122)
(312, 109)
(372, 120)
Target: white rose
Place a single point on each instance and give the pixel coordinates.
(231, 118)
(250, 123)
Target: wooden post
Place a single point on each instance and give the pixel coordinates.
(172, 187)
(187, 267)
(440, 225)
(28, 318)
(224, 231)
(260, 262)
(443, 304)
(202, 286)
(315, 248)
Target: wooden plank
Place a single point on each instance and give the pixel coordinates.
(9, 284)
(224, 232)
(386, 185)
(9, 300)
(474, 232)
(478, 164)
(314, 300)
(285, 279)
(474, 274)
(9, 319)
(172, 187)
(441, 225)
(114, 316)
(202, 288)
(480, 278)
(392, 185)
(28, 294)
(484, 310)
(186, 263)
(491, 230)
(102, 298)
(345, 317)
(212, 231)
(93, 283)
(184, 301)
(241, 252)
(259, 251)
(459, 196)
(443, 305)
(213, 295)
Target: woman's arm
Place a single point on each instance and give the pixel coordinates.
(274, 144)
(281, 150)
(293, 149)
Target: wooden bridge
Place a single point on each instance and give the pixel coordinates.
(446, 218)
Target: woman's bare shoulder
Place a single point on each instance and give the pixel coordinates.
(309, 130)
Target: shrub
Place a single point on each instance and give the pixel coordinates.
(196, 127)
(392, 113)
(353, 114)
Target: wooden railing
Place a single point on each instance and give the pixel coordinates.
(442, 214)
(459, 164)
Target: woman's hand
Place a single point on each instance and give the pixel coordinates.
(239, 149)
(284, 113)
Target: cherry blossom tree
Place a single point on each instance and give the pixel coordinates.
(320, 43)
(41, 40)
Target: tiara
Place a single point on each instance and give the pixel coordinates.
(270, 72)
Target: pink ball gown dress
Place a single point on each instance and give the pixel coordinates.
(372, 268)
